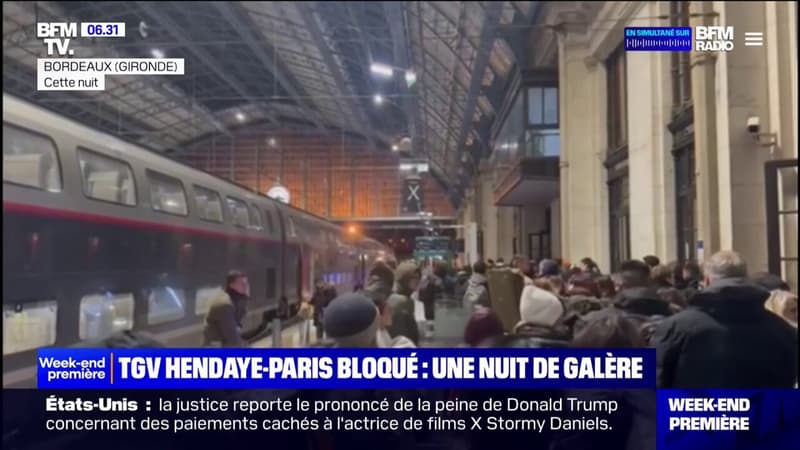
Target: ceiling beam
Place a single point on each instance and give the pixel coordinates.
(460, 28)
(398, 30)
(334, 69)
(488, 34)
(245, 30)
(175, 30)
(157, 83)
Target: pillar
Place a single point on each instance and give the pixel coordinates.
(583, 193)
(708, 210)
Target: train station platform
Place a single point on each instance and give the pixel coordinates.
(448, 330)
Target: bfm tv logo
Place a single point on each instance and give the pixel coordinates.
(713, 39)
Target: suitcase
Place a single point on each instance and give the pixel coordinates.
(505, 289)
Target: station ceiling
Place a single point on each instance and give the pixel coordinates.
(290, 65)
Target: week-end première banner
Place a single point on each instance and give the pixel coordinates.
(740, 419)
(344, 368)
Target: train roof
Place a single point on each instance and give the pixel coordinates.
(157, 160)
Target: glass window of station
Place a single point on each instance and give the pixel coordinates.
(530, 129)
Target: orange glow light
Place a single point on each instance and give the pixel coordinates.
(352, 229)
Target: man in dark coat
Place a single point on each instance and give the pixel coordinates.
(324, 293)
(636, 293)
(725, 338)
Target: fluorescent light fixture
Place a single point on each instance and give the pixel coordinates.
(157, 53)
(411, 77)
(240, 116)
(420, 167)
(381, 69)
(378, 99)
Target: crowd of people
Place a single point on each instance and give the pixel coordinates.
(715, 326)
(712, 327)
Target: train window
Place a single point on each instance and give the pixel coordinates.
(28, 326)
(204, 297)
(165, 304)
(167, 194)
(30, 159)
(270, 224)
(106, 178)
(208, 203)
(256, 218)
(105, 314)
(238, 212)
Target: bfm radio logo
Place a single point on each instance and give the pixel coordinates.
(713, 39)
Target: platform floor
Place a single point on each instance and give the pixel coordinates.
(448, 330)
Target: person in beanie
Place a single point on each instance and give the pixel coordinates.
(404, 322)
(352, 321)
(540, 326)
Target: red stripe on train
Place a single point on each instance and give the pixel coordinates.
(35, 210)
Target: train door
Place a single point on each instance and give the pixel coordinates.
(781, 189)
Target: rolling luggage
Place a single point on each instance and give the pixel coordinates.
(505, 289)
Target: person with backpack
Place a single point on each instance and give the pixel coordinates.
(477, 293)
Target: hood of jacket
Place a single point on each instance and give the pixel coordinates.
(731, 298)
(642, 300)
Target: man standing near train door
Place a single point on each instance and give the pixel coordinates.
(324, 293)
(227, 310)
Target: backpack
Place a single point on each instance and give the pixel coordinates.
(472, 296)
(645, 324)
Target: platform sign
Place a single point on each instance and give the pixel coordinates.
(411, 197)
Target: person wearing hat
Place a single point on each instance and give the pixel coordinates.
(541, 313)
(352, 321)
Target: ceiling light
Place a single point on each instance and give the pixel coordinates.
(381, 69)
(378, 99)
(240, 116)
(411, 78)
(395, 148)
(157, 53)
(272, 142)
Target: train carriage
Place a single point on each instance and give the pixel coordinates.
(101, 235)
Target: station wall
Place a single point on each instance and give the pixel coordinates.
(727, 180)
(326, 176)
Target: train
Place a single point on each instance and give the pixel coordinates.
(101, 235)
